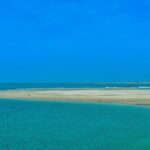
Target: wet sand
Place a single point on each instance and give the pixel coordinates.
(124, 96)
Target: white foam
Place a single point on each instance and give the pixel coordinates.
(144, 87)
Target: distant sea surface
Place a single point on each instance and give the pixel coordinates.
(101, 85)
(28, 125)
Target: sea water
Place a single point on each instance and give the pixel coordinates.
(31, 125)
(98, 85)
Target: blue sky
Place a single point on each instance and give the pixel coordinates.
(74, 40)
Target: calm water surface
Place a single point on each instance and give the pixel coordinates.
(98, 85)
(28, 125)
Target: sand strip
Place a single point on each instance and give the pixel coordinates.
(115, 96)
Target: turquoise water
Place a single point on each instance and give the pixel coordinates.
(28, 125)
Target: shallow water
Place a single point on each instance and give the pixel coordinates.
(28, 125)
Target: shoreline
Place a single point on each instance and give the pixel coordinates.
(120, 96)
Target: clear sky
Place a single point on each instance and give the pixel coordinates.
(74, 40)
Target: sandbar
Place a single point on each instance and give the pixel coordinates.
(124, 96)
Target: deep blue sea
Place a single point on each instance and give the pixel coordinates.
(31, 125)
(131, 85)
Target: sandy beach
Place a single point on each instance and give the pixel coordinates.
(141, 97)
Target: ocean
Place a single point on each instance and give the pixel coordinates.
(98, 85)
(31, 125)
